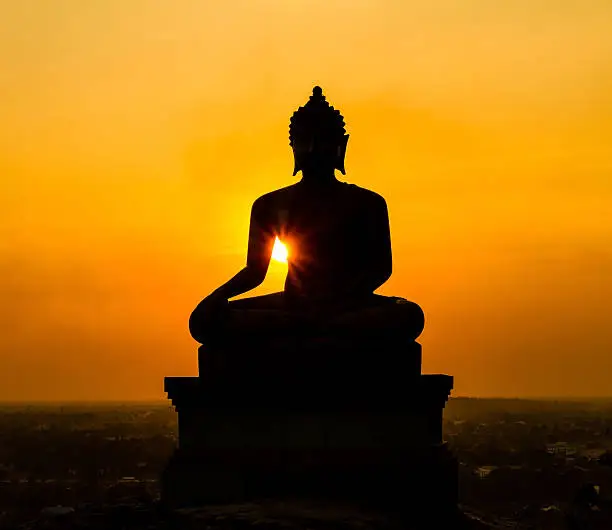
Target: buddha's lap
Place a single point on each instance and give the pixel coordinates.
(280, 301)
(377, 316)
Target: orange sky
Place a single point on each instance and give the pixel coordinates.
(136, 134)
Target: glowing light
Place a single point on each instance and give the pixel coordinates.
(280, 252)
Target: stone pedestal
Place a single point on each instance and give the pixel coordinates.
(361, 429)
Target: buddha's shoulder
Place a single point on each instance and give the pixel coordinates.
(274, 199)
(365, 195)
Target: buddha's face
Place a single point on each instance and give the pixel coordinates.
(314, 153)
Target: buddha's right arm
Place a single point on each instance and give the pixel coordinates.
(242, 282)
(261, 242)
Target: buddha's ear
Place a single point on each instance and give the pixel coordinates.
(341, 154)
(296, 164)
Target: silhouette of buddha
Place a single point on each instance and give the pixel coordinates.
(339, 247)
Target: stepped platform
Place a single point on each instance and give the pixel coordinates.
(346, 426)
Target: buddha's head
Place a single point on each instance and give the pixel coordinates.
(317, 136)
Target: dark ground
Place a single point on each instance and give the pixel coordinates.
(525, 463)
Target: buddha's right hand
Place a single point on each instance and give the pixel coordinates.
(216, 299)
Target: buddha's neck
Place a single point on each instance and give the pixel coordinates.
(319, 177)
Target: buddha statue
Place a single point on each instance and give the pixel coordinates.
(339, 252)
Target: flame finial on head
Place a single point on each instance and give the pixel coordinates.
(317, 93)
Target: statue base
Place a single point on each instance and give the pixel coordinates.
(363, 442)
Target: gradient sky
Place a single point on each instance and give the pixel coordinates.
(135, 134)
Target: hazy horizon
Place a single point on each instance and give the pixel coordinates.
(136, 135)
(167, 402)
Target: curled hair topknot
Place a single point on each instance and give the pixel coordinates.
(316, 119)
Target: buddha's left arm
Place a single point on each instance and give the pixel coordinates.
(376, 261)
(378, 237)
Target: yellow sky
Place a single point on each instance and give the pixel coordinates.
(135, 135)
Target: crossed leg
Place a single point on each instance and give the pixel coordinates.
(272, 315)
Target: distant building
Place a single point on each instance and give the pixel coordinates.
(592, 454)
(560, 449)
(485, 471)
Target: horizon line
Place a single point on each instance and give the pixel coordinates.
(69, 402)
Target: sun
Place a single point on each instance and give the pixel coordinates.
(280, 252)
